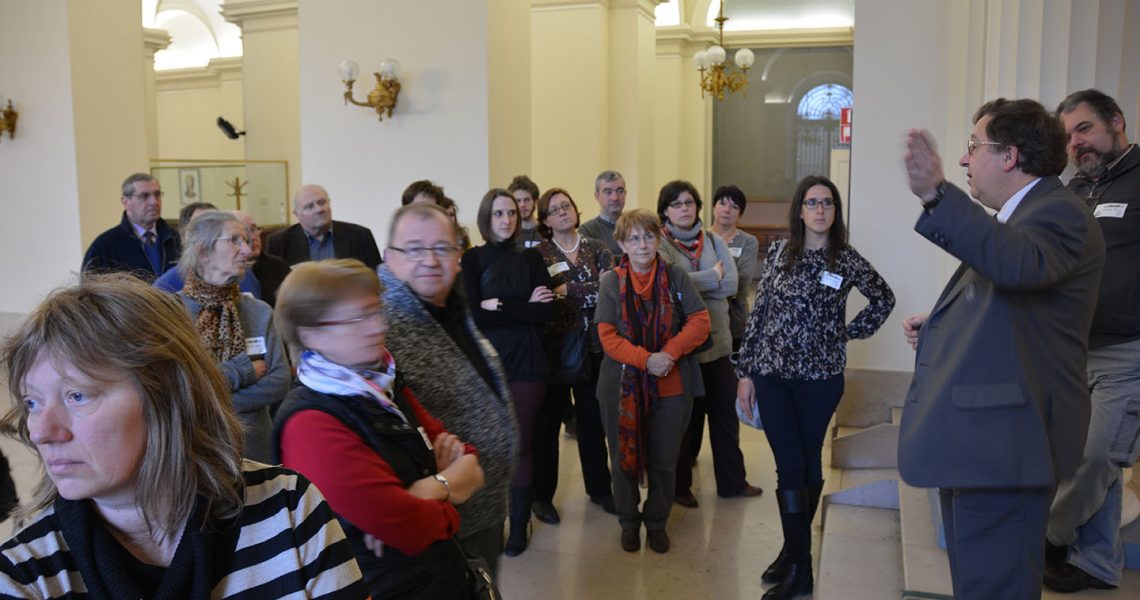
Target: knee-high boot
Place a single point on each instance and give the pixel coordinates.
(795, 517)
(779, 567)
(520, 504)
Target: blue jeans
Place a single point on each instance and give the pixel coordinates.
(1086, 511)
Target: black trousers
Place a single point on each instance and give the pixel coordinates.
(995, 541)
(719, 404)
(591, 438)
(795, 415)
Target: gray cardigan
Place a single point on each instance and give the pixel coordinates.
(252, 398)
(609, 311)
(715, 293)
(748, 247)
(452, 390)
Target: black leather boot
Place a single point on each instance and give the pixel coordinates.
(520, 505)
(779, 567)
(795, 517)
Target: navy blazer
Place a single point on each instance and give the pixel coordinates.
(999, 396)
(119, 249)
(349, 241)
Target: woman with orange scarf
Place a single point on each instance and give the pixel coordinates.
(650, 319)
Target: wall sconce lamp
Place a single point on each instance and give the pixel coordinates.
(8, 118)
(383, 97)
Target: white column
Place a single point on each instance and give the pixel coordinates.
(153, 41)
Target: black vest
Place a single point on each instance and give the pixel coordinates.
(440, 571)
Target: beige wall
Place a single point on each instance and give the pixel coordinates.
(39, 234)
(439, 129)
(509, 98)
(188, 103)
(108, 105)
(272, 92)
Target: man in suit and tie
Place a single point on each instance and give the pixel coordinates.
(142, 244)
(998, 408)
(317, 236)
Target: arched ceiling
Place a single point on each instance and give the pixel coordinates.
(759, 15)
(197, 30)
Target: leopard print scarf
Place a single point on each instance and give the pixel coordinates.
(217, 322)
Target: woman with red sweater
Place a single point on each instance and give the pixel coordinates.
(386, 466)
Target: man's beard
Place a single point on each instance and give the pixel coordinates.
(1096, 169)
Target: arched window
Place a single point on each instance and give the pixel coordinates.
(823, 102)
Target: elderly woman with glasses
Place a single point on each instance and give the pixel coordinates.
(792, 357)
(237, 329)
(144, 493)
(389, 470)
(576, 264)
(650, 320)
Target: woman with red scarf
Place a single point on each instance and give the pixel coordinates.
(650, 318)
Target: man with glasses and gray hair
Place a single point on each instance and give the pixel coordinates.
(609, 191)
(142, 244)
(453, 370)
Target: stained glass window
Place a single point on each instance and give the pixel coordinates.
(823, 102)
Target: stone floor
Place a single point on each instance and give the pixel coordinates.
(718, 550)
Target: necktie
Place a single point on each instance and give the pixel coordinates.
(152, 255)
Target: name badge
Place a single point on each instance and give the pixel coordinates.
(423, 434)
(1113, 210)
(558, 267)
(736, 252)
(255, 346)
(532, 243)
(831, 280)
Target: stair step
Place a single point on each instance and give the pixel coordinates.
(926, 571)
(875, 447)
(859, 554)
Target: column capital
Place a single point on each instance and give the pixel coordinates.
(261, 15)
(154, 40)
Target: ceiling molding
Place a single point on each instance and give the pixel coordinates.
(261, 15)
(220, 70)
(155, 40)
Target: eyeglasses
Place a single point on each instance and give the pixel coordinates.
(237, 241)
(561, 208)
(972, 145)
(373, 315)
(682, 204)
(637, 240)
(826, 203)
(148, 195)
(419, 253)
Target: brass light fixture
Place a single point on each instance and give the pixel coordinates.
(711, 63)
(8, 118)
(383, 97)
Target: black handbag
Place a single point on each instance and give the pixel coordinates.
(483, 586)
(571, 357)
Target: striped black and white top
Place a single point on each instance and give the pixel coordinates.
(286, 543)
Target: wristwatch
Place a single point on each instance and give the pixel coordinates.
(446, 485)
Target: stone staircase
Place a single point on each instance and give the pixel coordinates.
(882, 538)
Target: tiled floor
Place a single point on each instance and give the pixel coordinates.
(718, 550)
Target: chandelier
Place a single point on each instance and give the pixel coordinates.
(715, 76)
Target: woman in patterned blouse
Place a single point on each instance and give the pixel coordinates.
(792, 359)
(575, 263)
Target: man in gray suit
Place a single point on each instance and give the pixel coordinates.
(999, 407)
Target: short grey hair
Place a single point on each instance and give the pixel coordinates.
(129, 182)
(309, 186)
(199, 237)
(606, 176)
(422, 211)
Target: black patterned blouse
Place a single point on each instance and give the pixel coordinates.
(581, 279)
(798, 328)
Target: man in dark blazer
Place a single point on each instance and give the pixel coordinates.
(998, 408)
(142, 244)
(317, 236)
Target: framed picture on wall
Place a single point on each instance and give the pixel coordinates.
(190, 186)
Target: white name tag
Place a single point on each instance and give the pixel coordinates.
(831, 280)
(532, 243)
(1114, 210)
(558, 267)
(736, 252)
(423, 434)
(255, 346)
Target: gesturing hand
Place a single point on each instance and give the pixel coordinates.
(923, 165)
